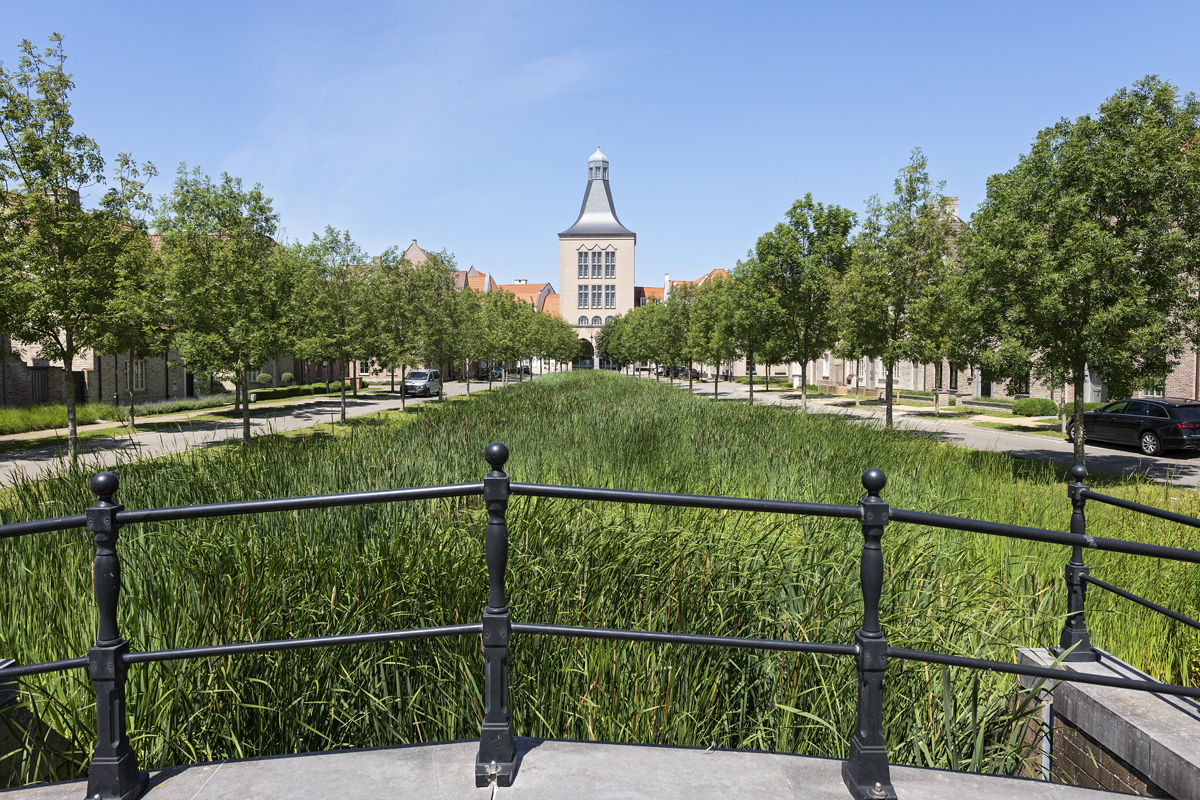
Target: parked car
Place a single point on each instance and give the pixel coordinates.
(1152, 424)
(524, 369)
(686, 372)
(426, 382)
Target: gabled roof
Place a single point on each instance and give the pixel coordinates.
(533, 293)
(551, 306)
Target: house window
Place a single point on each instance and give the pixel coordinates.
(1154, 392)
(583, 320)
(953, 378)
(597, 295)
(139, 375)
(583, 295)
(643, 301)
(610, 264)
(583, 265)
(610, 296)
(608, 319)
(596, 321)
(596, 256)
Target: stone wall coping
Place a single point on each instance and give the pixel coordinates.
(1158, 735)
(553, 769)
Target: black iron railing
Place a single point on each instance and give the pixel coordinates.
(113, 772)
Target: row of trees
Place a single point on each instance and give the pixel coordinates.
(212, 282)
(1085, 256)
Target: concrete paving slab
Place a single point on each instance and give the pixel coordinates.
(555, 769)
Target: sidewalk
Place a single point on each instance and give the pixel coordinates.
(1182, 470)
(203, 429)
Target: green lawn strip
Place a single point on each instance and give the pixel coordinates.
(400, 565)
(58, 439)
(1053, 431)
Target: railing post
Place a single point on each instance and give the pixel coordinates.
(866, 771)
(113, 773)
(1075, 632)
(496, 758)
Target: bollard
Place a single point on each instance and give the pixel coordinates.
(113, 772)
(866, 771)
(497, 754)
(1075, 632)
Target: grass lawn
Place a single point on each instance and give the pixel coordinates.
(1048, 430)
(421, 564)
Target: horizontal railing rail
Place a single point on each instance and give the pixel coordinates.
(1141, 508)
(113, 771)
(1150, 604)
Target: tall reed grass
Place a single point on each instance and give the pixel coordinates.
(383, 567)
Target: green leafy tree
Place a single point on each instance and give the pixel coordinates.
(755, 318)
(711, 338)
(1085, 254)
(678, 310)
(804, 259)
(229, 285)
(899, 263)
(432, 285)
(60, 263)
(330, 301)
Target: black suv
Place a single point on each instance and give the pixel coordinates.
(1153, 424)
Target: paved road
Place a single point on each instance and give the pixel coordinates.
(204, 431)
(1180, 469)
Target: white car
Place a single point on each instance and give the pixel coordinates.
(426, 382)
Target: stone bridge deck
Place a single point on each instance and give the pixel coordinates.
(555, 769)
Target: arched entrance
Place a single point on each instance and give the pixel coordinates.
(587, 356)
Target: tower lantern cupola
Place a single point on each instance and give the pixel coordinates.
(598, 166)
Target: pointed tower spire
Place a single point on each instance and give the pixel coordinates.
(597, 215)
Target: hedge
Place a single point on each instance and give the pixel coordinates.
(294, 391)
(1043, 407)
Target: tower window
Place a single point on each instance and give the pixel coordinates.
(583, 295)
(583, 265)
(596, 256)
(596, 321)
(606, 173)
(597, 295)
(610, 264)
(583, 320)
(610, 296)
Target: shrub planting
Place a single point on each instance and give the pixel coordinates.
(287, 378)
(394, 566)
(264, 379)
(1035, 407)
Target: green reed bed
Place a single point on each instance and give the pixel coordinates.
(421, 564)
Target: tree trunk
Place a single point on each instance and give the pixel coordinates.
(804, 386)
(691, 366)
(69, 393)
(403, 393)
(246, 406)
(753, 373)
(393, 380)
(888, 395)
(716, 379)
(343, 383)
(467, 375)
(1080, 456)
(129, 389)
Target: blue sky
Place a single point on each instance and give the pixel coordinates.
(468, 125)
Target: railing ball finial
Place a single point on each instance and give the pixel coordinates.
(496, 455)
(873, 480)
(1079, 473)
(104, 485)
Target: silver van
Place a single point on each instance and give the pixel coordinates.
(424, 382)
